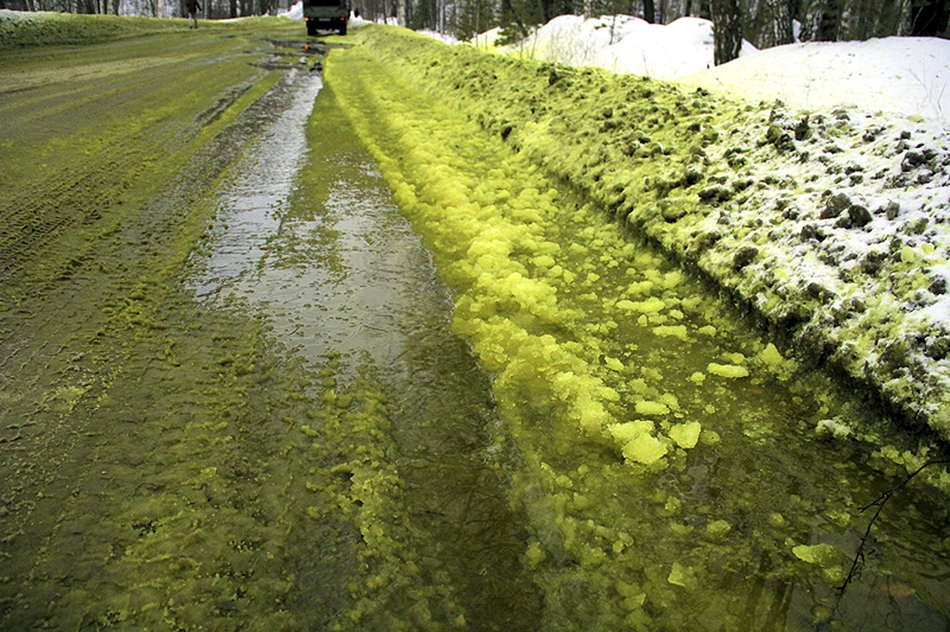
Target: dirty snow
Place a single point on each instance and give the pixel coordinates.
(873, 119)
(907, 75)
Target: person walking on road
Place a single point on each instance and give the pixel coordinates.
(193, 8)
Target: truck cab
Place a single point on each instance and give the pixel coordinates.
(326, 15)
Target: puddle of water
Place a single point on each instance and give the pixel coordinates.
(251, 205)
(317, 243)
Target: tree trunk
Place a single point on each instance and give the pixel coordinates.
(727, 30)
(705, 9)
(782, 13)
(829, 22)
(649, 11)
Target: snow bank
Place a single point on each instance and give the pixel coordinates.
(623, 44)
(909, 76)
(824, 204)
(295, 12)
(832, 226)
(897, 75)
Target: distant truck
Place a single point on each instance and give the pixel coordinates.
(326, 15)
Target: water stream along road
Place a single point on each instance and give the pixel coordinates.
(343, 279)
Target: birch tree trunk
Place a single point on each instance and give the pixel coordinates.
(727, 30)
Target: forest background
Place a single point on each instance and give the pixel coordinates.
(763, 23)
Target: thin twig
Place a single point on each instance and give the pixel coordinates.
(880, 502)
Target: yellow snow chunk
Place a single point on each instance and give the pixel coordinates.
(727, 370)
(717, 529)
(630, 430)
(686, 435)
(613, 363)
(771, 356)
(645, 449)
(646, 407)
(907, 254)
(590, 413)
(535, 554)
(669, 399)
(697, 377)
(824, 555)
(682, 576)
(640, 287)
(671, 331)
(672, 279)
(650, 306)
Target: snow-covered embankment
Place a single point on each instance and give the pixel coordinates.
(831, 226)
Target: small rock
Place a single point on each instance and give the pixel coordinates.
(715, 193)
(912, 160)
(835, 205)
(872, 132)
(937, 347)
(811, 231)
(872, 262)
(817, 290)
(802, 130)
(785, 142)
(692, 176)
(892, 210)
(841, 114)
(938, 286)
(672, 212)
(859, 215)
(744, 256)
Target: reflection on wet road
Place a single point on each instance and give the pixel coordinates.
(317, 243)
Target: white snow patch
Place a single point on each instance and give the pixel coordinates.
(295, 12)
(442, 37)
(623, 44)
(906, 75)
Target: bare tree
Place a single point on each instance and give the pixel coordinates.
(727, 30)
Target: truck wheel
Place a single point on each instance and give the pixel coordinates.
(311, 29)
(343, 28)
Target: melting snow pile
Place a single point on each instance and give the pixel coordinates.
(823, 203)
(622, 44)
